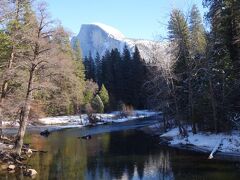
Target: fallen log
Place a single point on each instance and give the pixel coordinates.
(87, 137)
(215, 149)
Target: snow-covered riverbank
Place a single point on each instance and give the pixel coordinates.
(227, 142)
(82, 120)
(223, 144)
(103, 118)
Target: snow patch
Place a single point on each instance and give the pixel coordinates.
(98, 38)
(83, 119)
(113, 32)
(228, 142)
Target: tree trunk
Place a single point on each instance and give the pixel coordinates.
(1, 119)
(24, 116)
(177, 117)
(213, 104)
(164, 121)
(223, 112)
(190, 106)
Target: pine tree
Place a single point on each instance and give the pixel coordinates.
(98, 71)
(106, 70)
(79, 73)
(197, 50)
(137, 78)
(78, 61)
(179, 36)
(86, 63)
(90, 67)
(197, 33)
(111, 73)
(116, 74)
(127, 74)
(223, 56)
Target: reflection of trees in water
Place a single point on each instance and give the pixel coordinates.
(133, 156)
(70, 160)
(122, 155)
(159, 166)
(66, 158)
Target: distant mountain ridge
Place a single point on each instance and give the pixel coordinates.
(98, 37)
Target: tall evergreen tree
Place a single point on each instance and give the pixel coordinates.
(79, 73)
(127, 75)
(179, 35)
(223, 56)
(117, 73)
(137, 78)
(98, 71)
(197, 33)
(197, 51)
(106, 70)
(90, 67)
(86, 63)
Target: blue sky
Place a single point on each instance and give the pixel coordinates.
(142, 19)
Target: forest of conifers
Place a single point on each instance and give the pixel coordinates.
(198, 83)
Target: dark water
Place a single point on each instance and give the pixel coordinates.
(125, 154)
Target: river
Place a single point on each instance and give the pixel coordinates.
(118, 151)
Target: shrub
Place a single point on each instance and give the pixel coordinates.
(126, 110)
(103, 93)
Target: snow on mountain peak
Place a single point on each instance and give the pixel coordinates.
(110, 30)
(98, 37)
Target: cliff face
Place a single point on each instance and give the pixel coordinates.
(99, 38)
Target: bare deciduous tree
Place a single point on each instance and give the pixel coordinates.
(41, 60)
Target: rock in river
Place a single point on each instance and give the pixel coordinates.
(30, 172)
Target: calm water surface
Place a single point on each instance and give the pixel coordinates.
(119, 151)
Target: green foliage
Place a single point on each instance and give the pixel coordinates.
(179, 34)
(97, 104)
(89, 91)
(123, 75)
(79, 66)
(88, 96)
(198, 37)
(98, 73)
(138, 78)
(103, 94)
(90, 67)
(223, 55)
(5, 48)
(67, 95)
(205, 81)
(77, 50)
